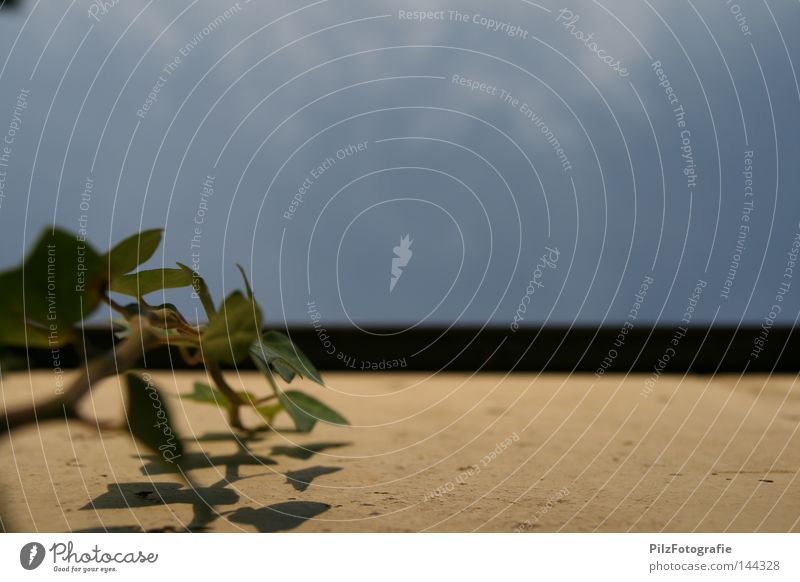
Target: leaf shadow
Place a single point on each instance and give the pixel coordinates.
(148, 494)
(199, 460)
(305, 452)
(206, 500)
(243, 439)
(111, 529)
(279, 516)
(301, 479)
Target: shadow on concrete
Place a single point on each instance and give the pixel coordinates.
(280, 516)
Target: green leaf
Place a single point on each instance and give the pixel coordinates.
(268, 364)
(200, 290)
(232, 330)
(64, 279)
(306, 410)
(144, 282)
(60, 282)
(14, 329)
(205, 394)
(149, 420)
(284, 370)
(278, 351)
(12, 320)
(132, 252)
(22, 334)
(246, 282)
(269, 413)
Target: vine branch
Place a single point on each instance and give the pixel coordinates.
(123, 357)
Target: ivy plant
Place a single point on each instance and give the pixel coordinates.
(63, 281)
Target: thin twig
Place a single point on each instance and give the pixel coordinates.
(123, 357)
(234, 400)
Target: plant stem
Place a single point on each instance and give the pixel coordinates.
(113, 304)
(189, 359)
(123, 357)
(271, 379)
(234, 401)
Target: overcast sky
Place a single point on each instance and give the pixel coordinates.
(612, 139)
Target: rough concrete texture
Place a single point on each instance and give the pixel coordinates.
(449, 452)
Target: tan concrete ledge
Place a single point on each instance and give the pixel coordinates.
(449, 452)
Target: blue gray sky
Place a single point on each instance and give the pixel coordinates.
(624, 142)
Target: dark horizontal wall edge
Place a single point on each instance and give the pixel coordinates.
(602, 350)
